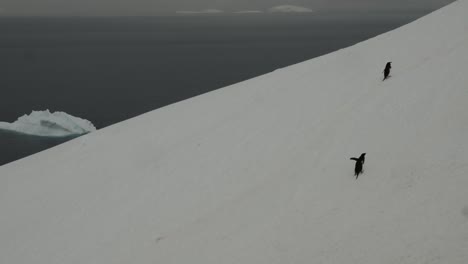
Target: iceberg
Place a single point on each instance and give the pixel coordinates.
(289, 9)
(249, 12)
(47, 124)
(205, 11)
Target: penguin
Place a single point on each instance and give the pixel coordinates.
(362, 158)
(386, 71)
(359, 162)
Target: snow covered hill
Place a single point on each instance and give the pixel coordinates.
(259, 172)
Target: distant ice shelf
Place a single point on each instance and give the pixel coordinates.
(205, 11)
(47, 124)
(289, 9)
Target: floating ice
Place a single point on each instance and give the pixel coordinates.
(289, 9)
(45, 123)
(205, 11)
(249, 12)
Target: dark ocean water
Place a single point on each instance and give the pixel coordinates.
(107, 70)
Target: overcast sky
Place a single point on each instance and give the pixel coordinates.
(154, 7)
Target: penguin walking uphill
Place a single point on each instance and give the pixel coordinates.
(359, 163)
(386, 71)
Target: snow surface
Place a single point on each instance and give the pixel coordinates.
(289, 9)
(45, 123)
(259, 172)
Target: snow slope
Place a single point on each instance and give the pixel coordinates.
(259, 172)
(47, 124)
